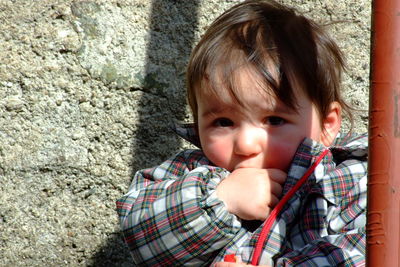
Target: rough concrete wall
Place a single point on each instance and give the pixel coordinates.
(87, 89)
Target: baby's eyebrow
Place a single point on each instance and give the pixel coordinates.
(282, 109)
(215, 110)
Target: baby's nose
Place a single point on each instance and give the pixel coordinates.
(249, 141)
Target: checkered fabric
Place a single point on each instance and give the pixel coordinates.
(171, 215)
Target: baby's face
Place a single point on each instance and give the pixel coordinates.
(266, 134)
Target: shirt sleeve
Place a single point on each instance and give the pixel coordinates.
(171, 215)
(332, 228)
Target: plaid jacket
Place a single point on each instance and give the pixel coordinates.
(172, 217)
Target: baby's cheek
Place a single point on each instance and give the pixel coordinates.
(218, 153)
(282, 157)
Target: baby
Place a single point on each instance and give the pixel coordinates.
(264, 90)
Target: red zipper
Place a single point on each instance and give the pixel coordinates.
(278, 208)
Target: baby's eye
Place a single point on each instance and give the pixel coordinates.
(223, 122)
(274, 121)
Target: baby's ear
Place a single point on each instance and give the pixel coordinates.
(331, 123)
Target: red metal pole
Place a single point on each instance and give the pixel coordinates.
(383, 228)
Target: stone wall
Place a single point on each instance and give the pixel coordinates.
(87, 90)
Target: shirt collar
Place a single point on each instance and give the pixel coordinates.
(326, 179)
(187, 131)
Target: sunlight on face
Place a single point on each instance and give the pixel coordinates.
(261, 133)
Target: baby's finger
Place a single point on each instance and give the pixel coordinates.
(277, 175)
(276, 188)
(273, 202)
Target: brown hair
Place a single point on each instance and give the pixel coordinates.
(286, 49)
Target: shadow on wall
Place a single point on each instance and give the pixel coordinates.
(113, 254)
(150, 135)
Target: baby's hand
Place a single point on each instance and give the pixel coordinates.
(251, 193)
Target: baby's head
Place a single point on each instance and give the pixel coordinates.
(266, 50)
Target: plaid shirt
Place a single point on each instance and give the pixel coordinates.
(171, 215)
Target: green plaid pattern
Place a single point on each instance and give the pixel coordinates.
(172, 217)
